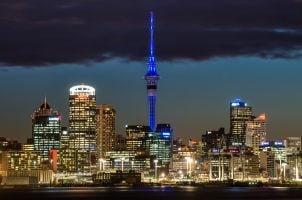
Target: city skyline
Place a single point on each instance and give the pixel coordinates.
(200, 82)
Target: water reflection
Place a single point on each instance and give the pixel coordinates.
(153, 193)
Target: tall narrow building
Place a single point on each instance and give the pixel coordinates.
(152, 78)
(256, 132)
(46, 129)
(240, 113)
(105, 129)
(82, 127)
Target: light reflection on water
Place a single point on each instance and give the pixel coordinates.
(157, 193)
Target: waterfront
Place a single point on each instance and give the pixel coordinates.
(158, 193)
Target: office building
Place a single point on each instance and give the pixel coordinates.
(272, 156)
(240, 113)
(46, 129)
(136, 136)
(82, 128)
(105, 129)
(256, 132)
(159, 144)
(213, 140)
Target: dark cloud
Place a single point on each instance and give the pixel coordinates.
(35, 32)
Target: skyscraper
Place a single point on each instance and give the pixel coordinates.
(105, 129)
(256, 132)
(46, 129)
(152, 78)
(240, 113)
(82, 127)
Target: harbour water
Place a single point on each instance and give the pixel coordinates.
(153, 193)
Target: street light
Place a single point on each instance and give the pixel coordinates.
(284, 170)
(51, 165)
(101, 164)
(189, 165)
(280, 167)
(155, 168)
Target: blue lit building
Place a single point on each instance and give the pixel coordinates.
(152, 78)
(46, 130)
(159, 144)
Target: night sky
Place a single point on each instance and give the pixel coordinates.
(208, 53)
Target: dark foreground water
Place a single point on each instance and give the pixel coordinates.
(153, 193)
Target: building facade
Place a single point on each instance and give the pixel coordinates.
(136, 136)
(159, 144)
(240, 113)
(46, 129)
(82, 128)
(256, 132)
(105, 129)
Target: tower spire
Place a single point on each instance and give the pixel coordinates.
(45, 102)
(152, 60)
(151, 35)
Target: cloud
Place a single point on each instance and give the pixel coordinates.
(41, 33)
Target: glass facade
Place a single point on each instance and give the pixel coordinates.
(82, 127)
(240, 113)
(159, 144)
(46, 129)
(135, 137)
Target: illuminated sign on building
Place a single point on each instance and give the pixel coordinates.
(264, 143)
(166, 135)
(278, 143)
(53, 118)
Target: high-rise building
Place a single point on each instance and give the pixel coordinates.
(159, 144)
(256, 131)
(240, 113)
(82, 127)
(105, 129)
(46, 129)
(152, 78)
(136, 136)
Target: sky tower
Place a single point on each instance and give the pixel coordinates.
(152, 78)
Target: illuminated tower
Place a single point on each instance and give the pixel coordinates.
(46, 128)
(82, 127)
(152, 78)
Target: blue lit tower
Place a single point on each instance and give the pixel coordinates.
(151, 77)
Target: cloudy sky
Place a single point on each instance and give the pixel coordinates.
(209, 52)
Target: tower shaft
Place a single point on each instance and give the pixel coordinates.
(152, 78)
